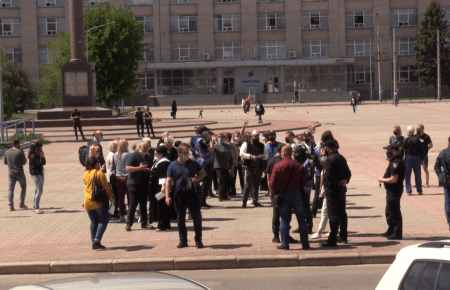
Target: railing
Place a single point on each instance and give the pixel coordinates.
(4, 126)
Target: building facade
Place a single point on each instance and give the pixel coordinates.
(221, 47)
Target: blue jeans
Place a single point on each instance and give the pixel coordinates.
(447, 203)
(293, 199)
(12, 184)
(248, 108)
(99, 221)
(412, 163)
(38, 189)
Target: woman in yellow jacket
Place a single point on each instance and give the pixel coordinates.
(98, 212)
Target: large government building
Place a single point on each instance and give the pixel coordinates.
(219, 47)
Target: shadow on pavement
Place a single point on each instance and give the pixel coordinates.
(364, 217)
(359, 207)
(50, 208)
(203, 228)
(13, 217)
(365, 194)
(365, 235)
(230, 247)
(64, 211)
(377, 244)
(217, 219)
(132, 248)
(424, 239)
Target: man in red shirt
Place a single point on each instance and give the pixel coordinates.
(292, 186)
(248, 103)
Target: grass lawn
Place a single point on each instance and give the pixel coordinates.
(17, 116)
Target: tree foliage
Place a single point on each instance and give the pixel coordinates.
(115, 50)
(426, 48)
(16, 86)
(49, 94)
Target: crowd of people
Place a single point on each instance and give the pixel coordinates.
(174, 180)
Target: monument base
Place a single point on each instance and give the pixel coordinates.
(86, 113)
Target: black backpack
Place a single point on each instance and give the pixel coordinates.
(187, 189)
(82, 151)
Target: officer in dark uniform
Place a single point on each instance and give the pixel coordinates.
(139, 117)
(393, 182)
(76, 116)
(148, 122)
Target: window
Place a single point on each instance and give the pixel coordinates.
(50, 26)
(425, 275)
(315, 20)
(358, 19)
(272, 50)
(184, 52)
(94, 2)
(14, 54)
(316, 49)
(183, 23)
(444, 277)
(182, 1)
(404, 17)
(228, 51)
(148, 23)
(147, 81)
(355, 48)
(9, 3)
(359, 75)
(271, 21)
(10, 27)
(227, 1)
(43, 55)
(138, 2)
(148, 53)
(405, 46)
(406, 74)
(270, 0)
(50, 3)
(227, 23)
(447, 14)
(187, 82)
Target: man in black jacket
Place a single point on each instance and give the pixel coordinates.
(443, 162)
(414, 155)
(335, 179)
(76, 116)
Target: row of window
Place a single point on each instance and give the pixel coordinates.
(361, 75)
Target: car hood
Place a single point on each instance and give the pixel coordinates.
(116, 281)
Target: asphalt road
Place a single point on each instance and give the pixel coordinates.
(362, 277)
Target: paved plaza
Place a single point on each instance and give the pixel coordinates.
(62, 232)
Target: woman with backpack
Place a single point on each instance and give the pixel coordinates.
(259, 109)
(37, 162)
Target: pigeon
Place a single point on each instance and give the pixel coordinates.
(307, 112)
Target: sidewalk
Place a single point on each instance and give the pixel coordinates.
(59, 239)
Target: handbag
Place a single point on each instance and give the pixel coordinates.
(187, 188)
(112, 177)
(171, 114)
(442, 177)
(98, 192)
(278, 199)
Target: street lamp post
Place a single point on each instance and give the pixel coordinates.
(87, 38)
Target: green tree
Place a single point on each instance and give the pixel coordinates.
(49, 82)
(426, 48)
(115, 50)
(16, 86)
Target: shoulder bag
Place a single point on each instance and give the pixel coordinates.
(278, 199)
(443, 179)
(187, 188)
(98, 192)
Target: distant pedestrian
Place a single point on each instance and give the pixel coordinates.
(244, 106)
(139, 117)
(235, 99)
(427, 144)
(358, 101)
(414, 155)
(149, 122)
(353, 103)
(296, 96)
(15, 159)
(396, 98)
(76, 116)
(259, 110)
(443, 161)
(397, 137)
(37, 162)
(200, 113)
(97, 211)
(248, 100)
(174, 109)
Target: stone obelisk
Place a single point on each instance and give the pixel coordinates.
(76, 30)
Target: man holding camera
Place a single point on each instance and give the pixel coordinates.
(393, 182)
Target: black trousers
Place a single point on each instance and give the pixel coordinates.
(233, 182)
(337, 214)
(308, 212)
(241, 176)
(140, 124)
(215, 181)
(138, 194)
(253, 178)
(393, 214)
(223, 179)
(193, 204)
(207, 181)
(75, 126)
(149, 125)
(115, 192)
(317, 201)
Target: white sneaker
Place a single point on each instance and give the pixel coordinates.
(327, 234)
(316, 236)
(139, 220)
(249, 201)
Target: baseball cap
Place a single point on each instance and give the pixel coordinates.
(392, 147)
(255, 132)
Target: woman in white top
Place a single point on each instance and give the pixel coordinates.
(120, 161)
(109, 171)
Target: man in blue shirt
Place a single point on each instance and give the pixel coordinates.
(205, 153)
(138, 168)
(174, 178)
(193, 143)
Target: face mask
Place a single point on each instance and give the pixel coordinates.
(237, 138)
(419, 132)
(100, 138)
(395, 133)
(389, 155)
(272, 139)
(288, 141)
(185, 157)
(221, 140)
(307, 141)
(157, 158)
(313, 131)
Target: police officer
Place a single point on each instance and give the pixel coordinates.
(148, 123)
(139, 117)
(393, 182)
(76, 116)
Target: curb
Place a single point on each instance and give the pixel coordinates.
(197, 263)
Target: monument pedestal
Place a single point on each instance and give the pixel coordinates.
(86, 112)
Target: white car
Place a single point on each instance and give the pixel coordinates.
(419, 267)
